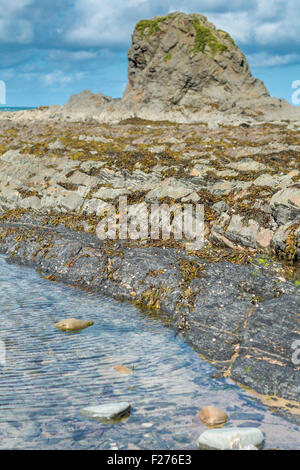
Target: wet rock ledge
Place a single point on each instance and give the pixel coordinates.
(243, 318)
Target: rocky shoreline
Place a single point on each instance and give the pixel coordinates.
(246, 177)
(241, 318)
(233, 301)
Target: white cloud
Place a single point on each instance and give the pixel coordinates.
(270, 10)
(263, 59)
(97, 30)
(102, 23)
(199, 6)
(18, 31)
(13, 7)
(99, 22)
(236, 24)
(13, 28)
(72, 56)
(265, 23)
(56, 79)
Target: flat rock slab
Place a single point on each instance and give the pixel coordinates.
(231, 438)
(247, 164)
(107, 412)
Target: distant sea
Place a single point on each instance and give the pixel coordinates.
(14, 108)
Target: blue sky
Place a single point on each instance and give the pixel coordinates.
(50, 49)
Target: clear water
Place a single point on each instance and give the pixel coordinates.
(50, 375)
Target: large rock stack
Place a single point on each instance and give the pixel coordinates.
(183, 60)
(182, 69)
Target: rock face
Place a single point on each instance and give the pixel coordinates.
(184, 60)
(86, 100)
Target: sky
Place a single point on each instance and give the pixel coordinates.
(51, 49)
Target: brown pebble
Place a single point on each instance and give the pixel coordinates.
(212, 416)
(122, 369)
(72, 324)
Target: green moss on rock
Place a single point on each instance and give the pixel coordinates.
(227, 36)
(148, 27)
(204, 37)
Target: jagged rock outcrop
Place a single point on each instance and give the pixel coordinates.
(181, 69)
(184, 60)
(87, 100)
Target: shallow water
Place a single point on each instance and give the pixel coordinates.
(49, 375)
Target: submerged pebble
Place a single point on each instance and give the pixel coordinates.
(50, 376)
(212, 416)
(73, 324)
(230, 439)
(122, 369)
(109, 411)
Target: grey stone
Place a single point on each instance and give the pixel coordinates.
(230, 438)
(109, 411)
(248, 233)
(224, 173)
(109, 193)
(12, 156)
(282, 234)
(221, 188)
(94, 138)
(61, 200)
(247, 164)
(157, 149)
(287, 196)
(57, 145)
(220, 207)
(285, 205)
(266, 180)
(200, 169)
(31, 202)
(11, 194)
(193, 197)
(80, 178)
(86, 100)
(174, 192)
(95, 206)
(285, 181)
(175, 73)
